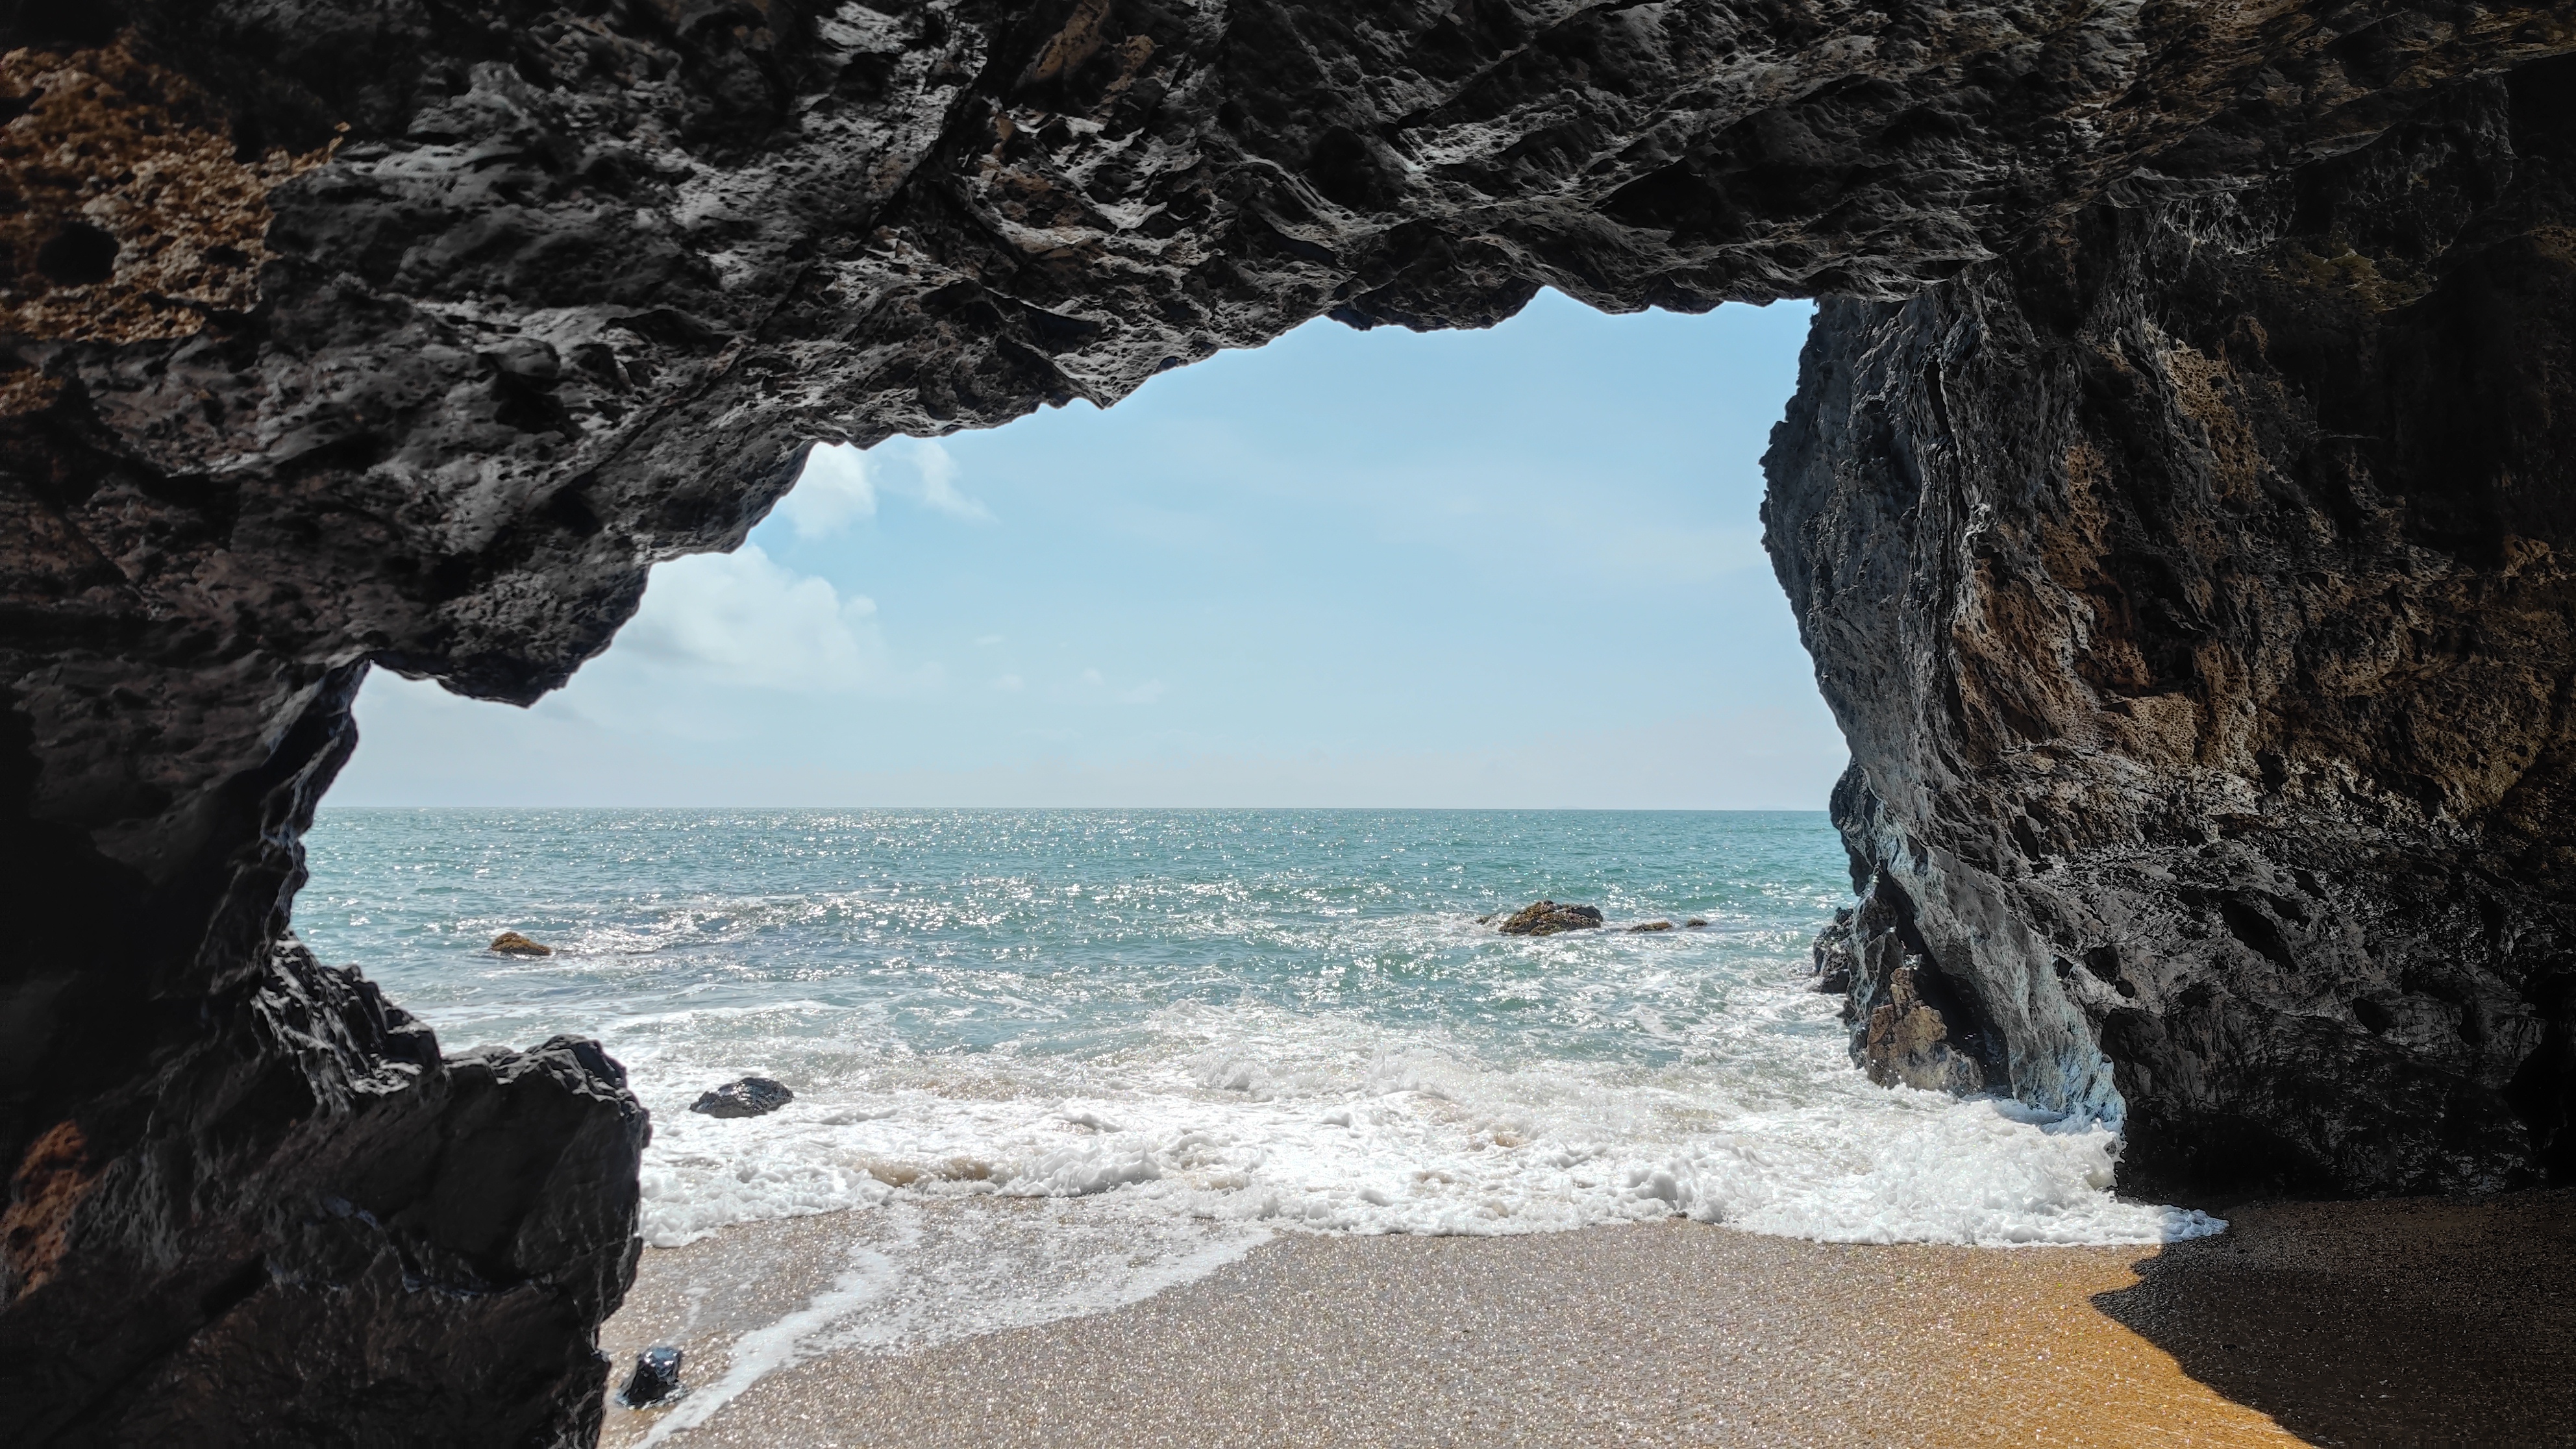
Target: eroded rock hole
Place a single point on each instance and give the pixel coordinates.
(79, 255)
(2258, 933)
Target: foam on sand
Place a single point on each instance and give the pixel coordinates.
(918, 1274)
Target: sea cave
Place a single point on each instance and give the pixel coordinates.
(2176, 502)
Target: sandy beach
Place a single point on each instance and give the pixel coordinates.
(2415, 1321)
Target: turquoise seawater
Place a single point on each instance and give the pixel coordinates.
(1221, 1021)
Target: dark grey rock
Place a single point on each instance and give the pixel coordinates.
(2192, 587)
(656, 1378)
(743, 1097)
(1836, 955)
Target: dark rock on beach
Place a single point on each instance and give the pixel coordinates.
(416, 1254)
(2176, 502)
(744, 1097)
(511, 943)
(1547, 918)
(656, 1378)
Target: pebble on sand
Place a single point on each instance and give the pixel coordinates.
(656, 1377)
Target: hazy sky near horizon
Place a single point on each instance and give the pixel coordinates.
(1512, 568)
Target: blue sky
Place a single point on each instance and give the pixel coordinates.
(1519, 567)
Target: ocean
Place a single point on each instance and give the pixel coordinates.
(1207, 1025)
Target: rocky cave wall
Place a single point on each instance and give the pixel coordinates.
(410, 335)
(2194, 586)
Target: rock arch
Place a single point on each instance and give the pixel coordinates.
(2174, 502)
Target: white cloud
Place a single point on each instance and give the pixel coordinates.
(840, 486)
(742, 618)
(832, 493)
(988, 641)
(1008, 684)
(1092, 677)
(938, 487)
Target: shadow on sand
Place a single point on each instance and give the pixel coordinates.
(2412, 1321)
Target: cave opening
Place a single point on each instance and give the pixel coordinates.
(1517, 567)
(1018, 991)
(1366, 544)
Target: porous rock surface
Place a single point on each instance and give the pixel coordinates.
(2194, 586)
(411, 334)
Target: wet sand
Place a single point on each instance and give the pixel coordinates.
(2398, 1323)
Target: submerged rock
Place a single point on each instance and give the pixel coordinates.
(511, 943)
(1547, 918)
(656, 1378)
(748, 1097)
(1694, 923)
(1645, 926)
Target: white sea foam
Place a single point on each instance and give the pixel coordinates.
(789, 1339)
(918, 1278)
(1253, 1116)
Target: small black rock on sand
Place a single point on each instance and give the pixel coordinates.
(656, 1378)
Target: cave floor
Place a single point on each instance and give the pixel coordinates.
(2412, 1321)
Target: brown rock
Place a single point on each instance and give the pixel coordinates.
(1907, 1042)
(511, 943)
(1644, 926)
(1547, 918)
(1912, 1025)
